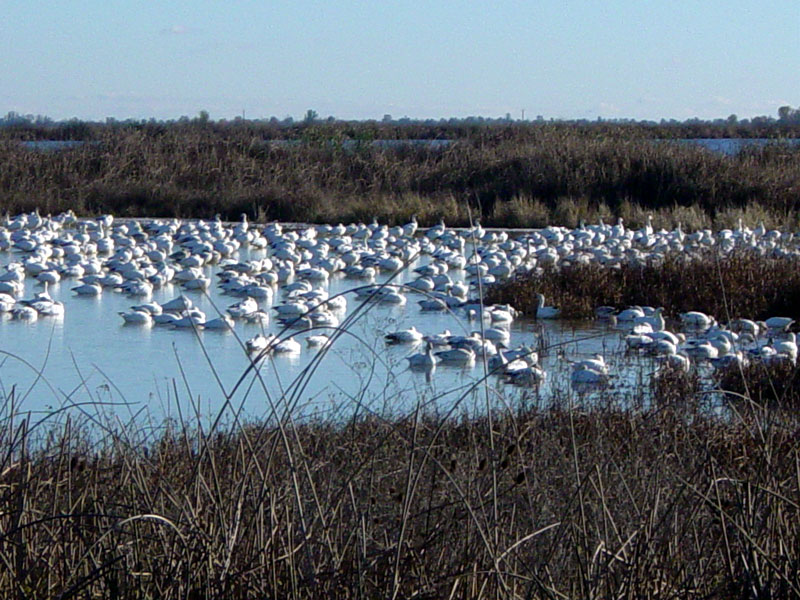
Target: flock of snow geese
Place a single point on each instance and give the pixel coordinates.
(135, 257)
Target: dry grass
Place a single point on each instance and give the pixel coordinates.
(592, 503)
(771, 384)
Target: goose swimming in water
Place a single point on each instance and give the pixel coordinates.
(178, 304)
(597, 363)
(154, 308)
(166, 318)
(137, 317)
(587, 375)
(696, 319)
(223, 322)
(438, 339)
(259, 342)
(404, 336)
(317, 341)
(422, 361)
(88, 289)
(287, 346)
(529, 376)
(456, 356)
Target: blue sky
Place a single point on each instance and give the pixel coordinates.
(358, 60)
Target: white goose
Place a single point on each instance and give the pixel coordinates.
(317, 341)
(787, 347)
(587, 375)
(404, 336)
(598, 363)
(259, 342)
(137, 317)
(422, 361)
(88, 289)
(545, 312)
(223, 322)
(287, 346)
(456, 356)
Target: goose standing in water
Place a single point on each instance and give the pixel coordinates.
(545, 312)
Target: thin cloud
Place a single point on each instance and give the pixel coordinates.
(607, 108)
(176, 30)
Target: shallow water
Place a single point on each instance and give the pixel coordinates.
(92, 361)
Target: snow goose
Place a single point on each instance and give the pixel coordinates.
(696, 320)
(317, 341)
(438, 339)
(404, 336)
(137, 317)
(178, 304)
(630, 314)
(223, 322)
(456, 356)
(588, 376)
(545, 312)
(700, 350)
(495, 334)
(422, 361)
(192, 320)
(787, 347)
(432, 305)
(287, 346)
(241, 309)
(258, 317)
(88, 289)
(529, 376)
(779, 323)
(154, 308)
(165, 318)
(597, 363)
(259, 342)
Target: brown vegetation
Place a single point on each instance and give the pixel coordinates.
(771, 384)
(591, 503)
(513, 176)
(740, 285)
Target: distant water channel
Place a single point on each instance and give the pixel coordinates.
(727, 146)
(732, 146)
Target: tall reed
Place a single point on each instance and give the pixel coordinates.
(514, 176)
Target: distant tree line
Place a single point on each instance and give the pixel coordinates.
(32, 127)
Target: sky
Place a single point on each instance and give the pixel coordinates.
(352, 59)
